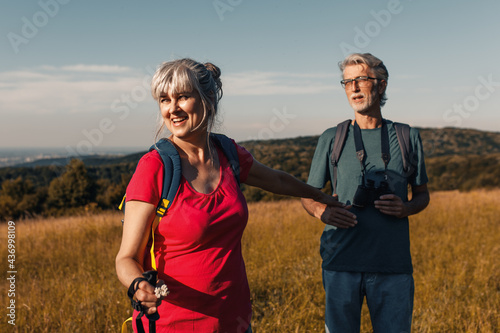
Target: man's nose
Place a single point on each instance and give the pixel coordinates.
(354, 86)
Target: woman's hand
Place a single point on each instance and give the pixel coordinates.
(145, 294)
(329, 200)
(337, 215)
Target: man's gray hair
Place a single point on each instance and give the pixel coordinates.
(374, 64)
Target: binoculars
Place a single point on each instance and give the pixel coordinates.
(367, 194)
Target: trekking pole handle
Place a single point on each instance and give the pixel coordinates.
(151, 277)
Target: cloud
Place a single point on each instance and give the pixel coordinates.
(24, 75)
(96, 68)
(78, 88)
(51, 90)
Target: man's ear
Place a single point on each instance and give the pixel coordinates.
(382, 86)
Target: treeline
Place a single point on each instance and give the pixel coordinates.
(456, 159)
(56, 190)
(464, 173)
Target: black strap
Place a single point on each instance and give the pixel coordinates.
(338, 145)
(150, 277)
(358, 143)
(134, 286)
(386, 152)
(403, 134)
(360, 149)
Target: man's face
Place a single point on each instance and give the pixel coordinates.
(363, 99)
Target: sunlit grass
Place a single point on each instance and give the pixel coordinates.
(66, 280)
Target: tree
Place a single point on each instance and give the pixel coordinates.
(17, 188)
(14, 198)
(75, 188)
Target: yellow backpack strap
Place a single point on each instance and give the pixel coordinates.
(122, 204)
(125, 326)
(152, 250)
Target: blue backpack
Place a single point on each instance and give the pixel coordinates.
(173, 171)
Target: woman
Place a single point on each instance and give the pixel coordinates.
(198, 242)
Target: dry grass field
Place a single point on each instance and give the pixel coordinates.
(65, 280)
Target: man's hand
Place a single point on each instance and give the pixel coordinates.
(391, 204)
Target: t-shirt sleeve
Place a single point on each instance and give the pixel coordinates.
(147, 181)
(246, 161)
(419, 176)
(319, 173)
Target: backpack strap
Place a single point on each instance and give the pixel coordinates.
(172, 174)
(403, 134)
(173, 169)
(229, 149)
(338, 145)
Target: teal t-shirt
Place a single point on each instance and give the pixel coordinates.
(378, 243)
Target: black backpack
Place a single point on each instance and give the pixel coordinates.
(402, 132)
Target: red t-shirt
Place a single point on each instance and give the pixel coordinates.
(198, 249)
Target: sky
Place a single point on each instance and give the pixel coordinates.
(75, 74)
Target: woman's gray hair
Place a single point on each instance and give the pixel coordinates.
(187, 75)
(374, 64)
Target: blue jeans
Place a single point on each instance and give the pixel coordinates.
(389, 298)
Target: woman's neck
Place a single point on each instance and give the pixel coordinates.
(195, 148)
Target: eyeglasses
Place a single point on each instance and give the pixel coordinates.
(362, 81)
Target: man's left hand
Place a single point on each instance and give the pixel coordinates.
(391, 204)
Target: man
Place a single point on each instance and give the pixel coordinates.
(365, 245)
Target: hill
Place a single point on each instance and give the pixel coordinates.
(451, 141)
(437, 142)
(447, 141)
(456, 159)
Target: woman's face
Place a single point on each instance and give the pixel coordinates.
(183, 113)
